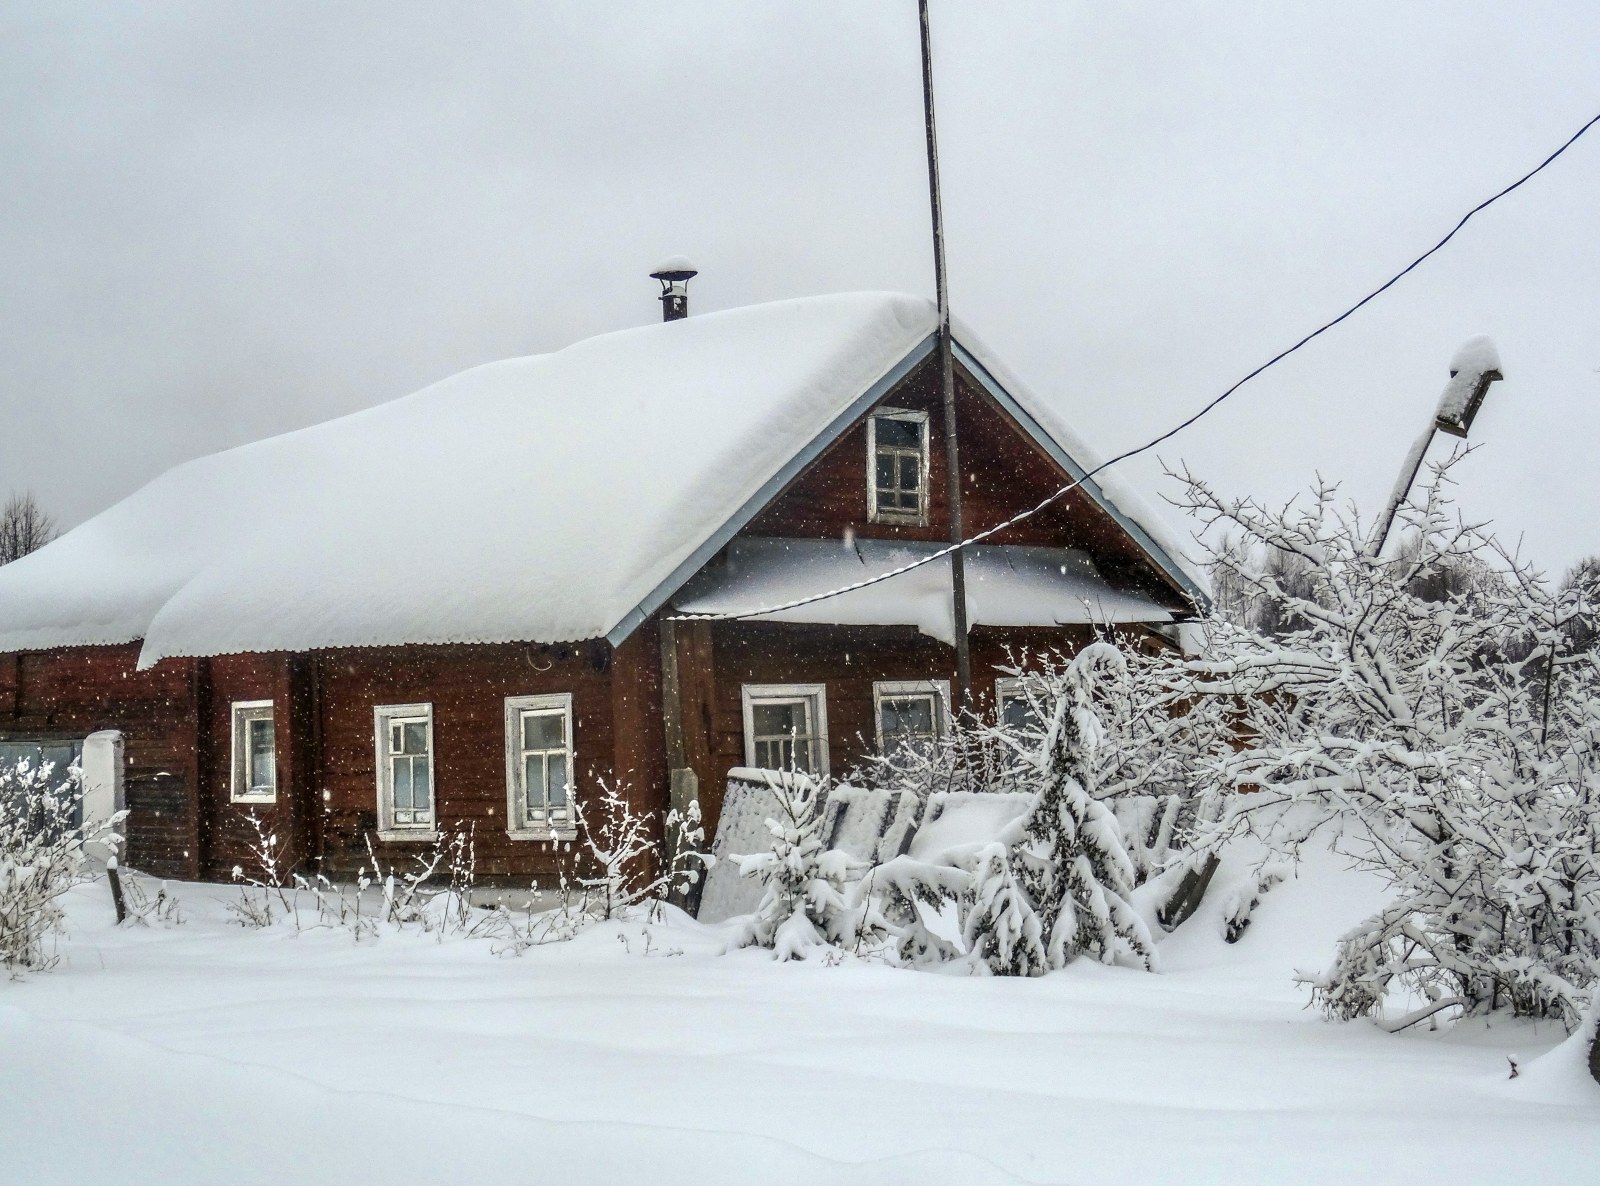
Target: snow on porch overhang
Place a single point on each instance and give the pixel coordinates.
(1007, 585)
(1160, 556)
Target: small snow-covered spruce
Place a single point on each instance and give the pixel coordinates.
(804, 906)
(1147, 736)
(1432, 704)
(41, 857)
(1001, 929)
(623, 847)
(1072, 865)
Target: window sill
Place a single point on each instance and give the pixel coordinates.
(402, 835)
(253, 800)
(549, 836)
(887, 520)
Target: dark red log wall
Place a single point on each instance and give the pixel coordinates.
(74, 691)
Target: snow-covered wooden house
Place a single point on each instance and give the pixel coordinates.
(468, 605)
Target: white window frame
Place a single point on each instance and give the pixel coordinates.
(1008, 687)
(816, 695)
(383, 717)
(518, 826)
(239, 788)
(905, 518)
(903, 689)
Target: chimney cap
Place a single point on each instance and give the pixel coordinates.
(674, 270)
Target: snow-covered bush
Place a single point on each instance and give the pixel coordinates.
(262, 894)
(804, 904)
(41, 856)
(1431, 702)
(966, 757)
(624, 850)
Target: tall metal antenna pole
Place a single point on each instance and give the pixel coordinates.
(947, 377)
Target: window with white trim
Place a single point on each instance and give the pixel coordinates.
(911, 714)
(897, 467)
(404, 740)
(255, 753)
(539, 767)
(1013, 708)
(786, 727)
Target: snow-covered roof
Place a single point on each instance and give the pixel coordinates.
(553, 498)
(1006, 586)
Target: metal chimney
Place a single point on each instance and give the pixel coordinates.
(674, 274)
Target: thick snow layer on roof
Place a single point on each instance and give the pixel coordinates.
(537, 499)
(1006, 586)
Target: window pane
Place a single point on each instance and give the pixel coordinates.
(910, 472)
(545, 730)
(912, 715)
(262, 772)
(1017, 713)
(885, 470)
(421, 789)
(558, 781)
(414, 737)
(533, 776)
(401, 768)
(904, 434)
(778, 719)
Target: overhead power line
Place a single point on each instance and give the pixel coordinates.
(867, 582)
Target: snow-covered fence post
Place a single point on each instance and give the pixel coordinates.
(104, 802)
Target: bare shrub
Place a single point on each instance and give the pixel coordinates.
(25, 527)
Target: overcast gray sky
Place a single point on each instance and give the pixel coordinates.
(220, 221)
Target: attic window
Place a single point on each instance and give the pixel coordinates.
(897, 456)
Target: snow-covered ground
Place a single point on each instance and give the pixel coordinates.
(208, 1053)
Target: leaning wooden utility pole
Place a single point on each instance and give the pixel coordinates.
(947, 379)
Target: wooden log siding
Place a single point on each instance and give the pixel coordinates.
(468, 686)
(1006, 472)
(74, 691)
(847, 660)
(230, 836)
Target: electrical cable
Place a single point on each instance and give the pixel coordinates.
(1169, 433)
